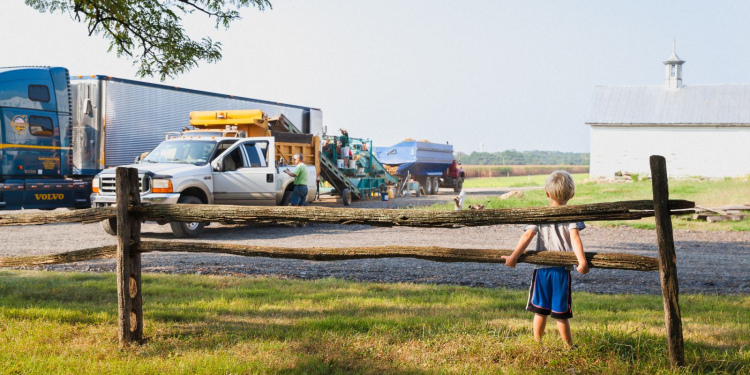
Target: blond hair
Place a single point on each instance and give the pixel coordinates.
(560, 186)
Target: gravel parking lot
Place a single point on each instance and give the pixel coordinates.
(707, 262)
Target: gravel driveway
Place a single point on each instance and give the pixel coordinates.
(707, 262)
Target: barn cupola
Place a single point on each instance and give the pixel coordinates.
(673, 67)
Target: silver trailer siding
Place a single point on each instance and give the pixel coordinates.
(115, 120)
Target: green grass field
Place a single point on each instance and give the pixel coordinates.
(67, 323)
(516, 181)
(708, 193)
(485, 171)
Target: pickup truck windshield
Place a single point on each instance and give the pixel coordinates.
(186, 152)
(207, 134)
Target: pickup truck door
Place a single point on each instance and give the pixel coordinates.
(245, 176)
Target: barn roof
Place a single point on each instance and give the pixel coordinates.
(721, 105)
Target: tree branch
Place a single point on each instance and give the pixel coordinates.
(153, 27)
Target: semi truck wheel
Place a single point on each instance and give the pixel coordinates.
(346, 197)
(428, 185)
(110, 226)
(187, 230)
(435, 185)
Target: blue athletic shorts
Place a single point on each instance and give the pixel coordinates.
(549, 293)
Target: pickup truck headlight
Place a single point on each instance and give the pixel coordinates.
(160, 185)
(95, 185)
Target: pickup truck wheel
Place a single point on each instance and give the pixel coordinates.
(286, 198)
(346, 197)
(110, 226)
(187, 230)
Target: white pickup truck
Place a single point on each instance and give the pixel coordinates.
(207, 170)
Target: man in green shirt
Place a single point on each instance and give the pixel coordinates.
(299, 194)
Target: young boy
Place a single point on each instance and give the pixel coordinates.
(550, 286)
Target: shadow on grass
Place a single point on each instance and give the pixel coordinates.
(636, 346)
(316, 321)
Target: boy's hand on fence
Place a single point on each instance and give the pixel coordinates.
(523, 243)
(583, 268)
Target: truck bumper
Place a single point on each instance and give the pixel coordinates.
(44, 194)
(98, 200)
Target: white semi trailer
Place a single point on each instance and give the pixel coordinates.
(115, 120)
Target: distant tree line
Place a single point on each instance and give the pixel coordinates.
(513, 157)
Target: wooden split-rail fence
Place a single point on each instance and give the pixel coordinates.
(130, 213)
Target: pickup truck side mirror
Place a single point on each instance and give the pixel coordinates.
(216, 165)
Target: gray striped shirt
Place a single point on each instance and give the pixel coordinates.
(554, 237)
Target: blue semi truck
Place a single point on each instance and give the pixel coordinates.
(57, 132)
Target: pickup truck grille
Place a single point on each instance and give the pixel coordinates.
(108, 185)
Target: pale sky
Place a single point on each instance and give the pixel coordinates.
(512, 75)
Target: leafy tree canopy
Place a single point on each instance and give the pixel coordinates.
(150, 31)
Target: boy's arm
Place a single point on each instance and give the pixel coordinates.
(523, 243)
(575, 239)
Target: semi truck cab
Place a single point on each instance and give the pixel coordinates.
(35, 141)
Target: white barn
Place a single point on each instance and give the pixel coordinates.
(702, 130)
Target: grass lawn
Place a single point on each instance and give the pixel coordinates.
(516, 181)
(67, 323)
(705, 193)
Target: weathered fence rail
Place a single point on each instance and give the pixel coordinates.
(94, 253)
(625, 210)
(130, 213)
(433, 253)
(85, 216)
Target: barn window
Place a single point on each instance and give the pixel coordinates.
(674, 70)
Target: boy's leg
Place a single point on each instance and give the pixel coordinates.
(563, 325)
(539, 301)
(562, 303)
(540, 322)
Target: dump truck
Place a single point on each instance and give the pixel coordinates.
(289, 139)
(57, 131)
(430, 164)
(204, 166)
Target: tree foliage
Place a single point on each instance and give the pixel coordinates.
(513, 157)
(150, 32)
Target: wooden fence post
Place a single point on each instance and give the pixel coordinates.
(129, 299)
(667, 261)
